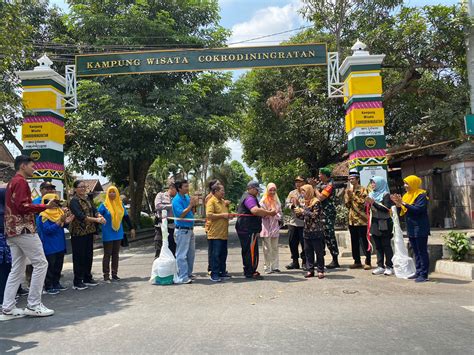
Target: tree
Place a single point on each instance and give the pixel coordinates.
(128, 121)
(424, 63)
(234, 178)
(289, 118)
(343, 18)
(25, 27)
(12, 55)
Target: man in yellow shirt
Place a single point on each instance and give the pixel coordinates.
(217, 214)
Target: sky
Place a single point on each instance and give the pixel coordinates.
(248, 19)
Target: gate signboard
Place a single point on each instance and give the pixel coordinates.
(185, 60)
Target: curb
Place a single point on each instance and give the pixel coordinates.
(460, 269)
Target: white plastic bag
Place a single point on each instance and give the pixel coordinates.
(164, 270)
(403, 265)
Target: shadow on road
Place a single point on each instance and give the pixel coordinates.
(71, 308)
(8, 346)
(445, 280)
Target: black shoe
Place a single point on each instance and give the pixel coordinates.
(91, 283)
(115, 278)
(293, 266)
(333, 265)
(80, 287)
(60, 287)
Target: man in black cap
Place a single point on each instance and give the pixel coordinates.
(249, 226)
(46, 187)
(354, 198)
(295, 226)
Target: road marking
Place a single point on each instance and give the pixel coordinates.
(469, 308)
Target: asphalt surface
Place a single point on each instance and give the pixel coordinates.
(350, 312)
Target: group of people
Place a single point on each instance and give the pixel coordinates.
(311, 225)
(33, 230)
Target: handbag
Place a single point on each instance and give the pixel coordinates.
(124, 242)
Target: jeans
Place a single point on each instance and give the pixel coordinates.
(249, 244)
(159, 241)
(55, 267)
(111, 251)
(295, 239)
(4, 272)
(25, 246)
(82, 255)
(270, 253)
(422, 259)
(218, 257)
(185, 253)
(313, 245)
(384, 250)
(358, 237)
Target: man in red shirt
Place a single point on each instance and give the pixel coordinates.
(24, 243)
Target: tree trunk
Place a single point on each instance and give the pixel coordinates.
(131, 189)
(141, 171)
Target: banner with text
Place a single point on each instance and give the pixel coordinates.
(200, 59)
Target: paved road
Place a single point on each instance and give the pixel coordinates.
(350, 311)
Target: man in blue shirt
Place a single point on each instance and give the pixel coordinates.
(185, 243)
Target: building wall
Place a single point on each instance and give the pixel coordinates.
(436, 184)
(462, 194)
(451, 191)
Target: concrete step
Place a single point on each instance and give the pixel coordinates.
(460, 269)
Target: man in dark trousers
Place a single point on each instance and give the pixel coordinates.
(249, 226)
(295, 226)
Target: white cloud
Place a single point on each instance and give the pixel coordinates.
(266, 21)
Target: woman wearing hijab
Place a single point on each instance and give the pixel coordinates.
(381, 224)
(114, 213)
(271, 229)
(325, 193)
(314, 228)
(51, 224)
(414, 205)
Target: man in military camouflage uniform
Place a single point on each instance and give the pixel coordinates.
(325, 193)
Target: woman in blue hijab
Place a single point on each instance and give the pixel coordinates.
(381, 224)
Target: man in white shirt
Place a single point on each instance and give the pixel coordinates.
(163, 203)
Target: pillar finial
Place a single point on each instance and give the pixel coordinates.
(44, 63)
(359, 48)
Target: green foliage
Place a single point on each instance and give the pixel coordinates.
(459, 245)
(123, 123)
(289, 117)
(283, 175)
(234, 178)
(24, 26)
